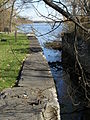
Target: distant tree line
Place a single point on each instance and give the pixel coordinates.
(9, 16)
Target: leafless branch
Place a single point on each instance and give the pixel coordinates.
(66, 14)
(41, 15)
(3, 3)
(53, 28)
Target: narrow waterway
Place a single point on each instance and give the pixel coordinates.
(67, 110)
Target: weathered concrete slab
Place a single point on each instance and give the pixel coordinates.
(35, 98)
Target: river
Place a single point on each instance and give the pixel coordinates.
(67, 110)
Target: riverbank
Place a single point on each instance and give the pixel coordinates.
(77, 99)
(12, 55)
(56, 45)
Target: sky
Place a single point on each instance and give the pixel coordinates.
(30, 12)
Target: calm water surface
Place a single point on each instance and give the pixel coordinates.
(68, 111)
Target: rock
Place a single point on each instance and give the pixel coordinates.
(50, 113)
(3, 40)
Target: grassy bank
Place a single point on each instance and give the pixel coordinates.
(12, 55)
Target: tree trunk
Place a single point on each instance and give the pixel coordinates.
(10, 23)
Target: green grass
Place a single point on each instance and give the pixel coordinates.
(12, 55)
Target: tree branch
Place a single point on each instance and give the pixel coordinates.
(5, 2)
(66, 14)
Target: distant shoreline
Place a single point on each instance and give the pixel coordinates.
(45, 21)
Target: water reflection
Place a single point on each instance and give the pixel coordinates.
(68, 110)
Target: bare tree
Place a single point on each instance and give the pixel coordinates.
(11, 15)
(3, 2)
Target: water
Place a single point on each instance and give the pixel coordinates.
(41, 29)
(68, 111)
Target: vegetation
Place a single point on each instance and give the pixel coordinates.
(9, 16)
(57, 45)
(12, 55)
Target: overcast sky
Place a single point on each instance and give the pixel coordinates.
(30, 12)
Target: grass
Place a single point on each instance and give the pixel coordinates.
(12, 55)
